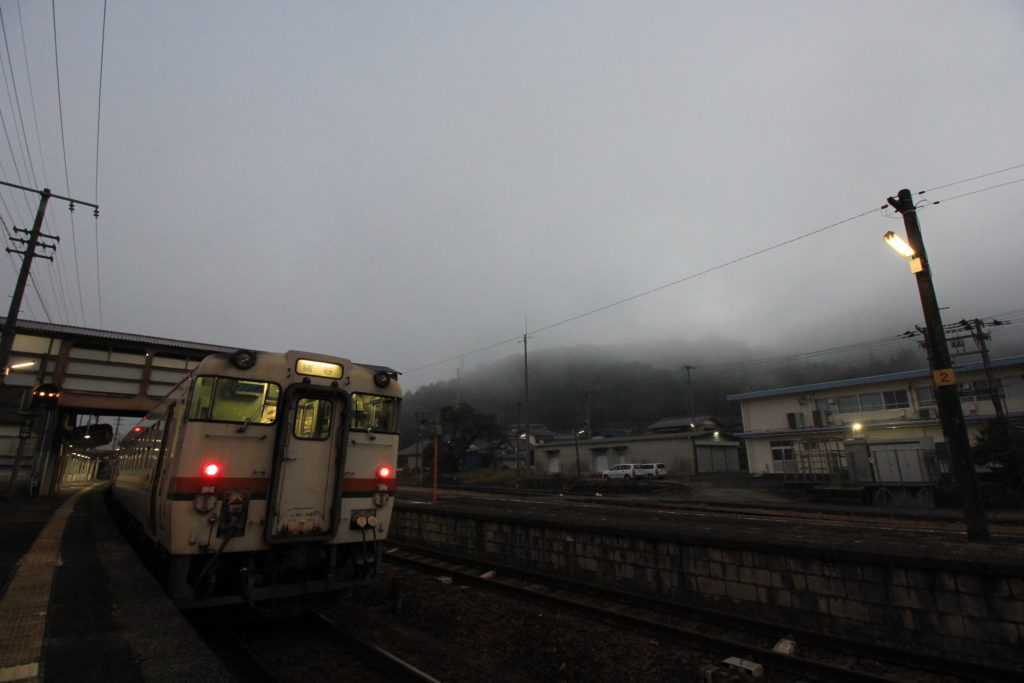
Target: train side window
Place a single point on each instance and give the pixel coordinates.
(313, 418)
(228, 399)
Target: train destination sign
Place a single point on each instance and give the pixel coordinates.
(316, 368)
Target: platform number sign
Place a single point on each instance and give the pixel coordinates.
(944, 378)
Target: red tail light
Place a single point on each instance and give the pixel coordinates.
(383, 472)
(211, 470)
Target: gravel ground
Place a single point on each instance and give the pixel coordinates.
(462, 633)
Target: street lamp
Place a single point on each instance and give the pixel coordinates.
(19, 366)
(947, 398)
(897, 243)
(577, 439)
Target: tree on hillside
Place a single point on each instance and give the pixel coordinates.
(1000, 445)
(461, 427)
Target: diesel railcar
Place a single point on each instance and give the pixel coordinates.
(264, 476)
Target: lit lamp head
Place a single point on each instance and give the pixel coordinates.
(903, 249)
(19, 366)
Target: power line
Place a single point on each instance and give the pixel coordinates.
(856, 346)
(96, 196)
(31, 93)
(968, 194)
(709, 270)
(653, 290)
(64, 150)
(17, 99)
(977, 177)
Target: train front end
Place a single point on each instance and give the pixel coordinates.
(284, 478)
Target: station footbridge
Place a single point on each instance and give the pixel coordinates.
(103, 377)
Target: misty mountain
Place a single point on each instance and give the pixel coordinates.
(629, 389)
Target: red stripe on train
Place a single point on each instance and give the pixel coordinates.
(366, 485)
(196, 484)
(262, 484)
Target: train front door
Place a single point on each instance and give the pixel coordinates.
(306, 463)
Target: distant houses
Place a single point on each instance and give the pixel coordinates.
(807, 430)
(686, 445)
(865, 428)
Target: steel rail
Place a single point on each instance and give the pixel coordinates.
(893, 656)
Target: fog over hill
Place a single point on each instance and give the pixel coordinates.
(630, 387)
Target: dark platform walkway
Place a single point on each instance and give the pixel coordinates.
(77, 605)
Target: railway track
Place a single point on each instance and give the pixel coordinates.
(883, 518)
(307, 647)
(817, 656)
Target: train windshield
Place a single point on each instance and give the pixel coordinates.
(229, 399)
(372, 413)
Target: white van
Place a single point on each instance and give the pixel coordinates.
(650, 471)
(620, 472)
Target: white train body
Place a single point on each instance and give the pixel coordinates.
(265, 475)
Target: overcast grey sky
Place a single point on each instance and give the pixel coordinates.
(405, 182)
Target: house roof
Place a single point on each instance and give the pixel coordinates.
(874, 379)
(677, 423)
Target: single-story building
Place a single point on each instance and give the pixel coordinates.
(682, 453)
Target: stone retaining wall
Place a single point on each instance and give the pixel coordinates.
(958, 606)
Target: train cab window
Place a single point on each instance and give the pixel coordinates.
(313, 418)
(372, 413)
(229, 399)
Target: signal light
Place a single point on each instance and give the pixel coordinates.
(383, 472)
(46, 395)
(211, 469)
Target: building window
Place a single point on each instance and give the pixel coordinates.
(871, 401)
(847, 404)
(782, 450)
(1013, 387)
(925, 396)
(896, 399)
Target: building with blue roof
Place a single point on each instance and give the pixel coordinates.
(782, 425)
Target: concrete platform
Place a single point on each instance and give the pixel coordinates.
(76, 604)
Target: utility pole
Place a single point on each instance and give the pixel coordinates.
(947, 397)
(980, 337)
(689, 390)
(519, 434)
(526, 386)
(31, 244)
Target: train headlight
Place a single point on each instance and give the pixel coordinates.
(382, 378)
(243, 359)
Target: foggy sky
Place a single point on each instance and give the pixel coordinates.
(403, 183)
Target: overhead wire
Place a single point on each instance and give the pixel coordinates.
(788, 358)
(968, 194)
(707, 271)
(64, 150)
(653, 290)
(17, 100)
(56, 284)
(977, 177)
(96, 189)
